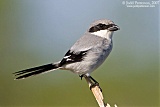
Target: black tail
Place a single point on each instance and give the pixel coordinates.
(34, 71)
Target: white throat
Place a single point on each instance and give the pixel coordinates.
(104, 33)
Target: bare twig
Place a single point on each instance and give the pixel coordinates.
(97, 93)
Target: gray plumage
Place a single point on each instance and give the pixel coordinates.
(98, 50)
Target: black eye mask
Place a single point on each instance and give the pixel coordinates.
(100, 27)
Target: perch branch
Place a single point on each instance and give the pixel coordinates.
(97, 93)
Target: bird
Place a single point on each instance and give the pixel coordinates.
(85, 56)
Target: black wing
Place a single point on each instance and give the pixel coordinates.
(71, 57)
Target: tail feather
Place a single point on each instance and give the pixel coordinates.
(33, 69)
(36, 70)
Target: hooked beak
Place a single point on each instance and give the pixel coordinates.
(114, 28)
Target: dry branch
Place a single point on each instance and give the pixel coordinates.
(97, 93)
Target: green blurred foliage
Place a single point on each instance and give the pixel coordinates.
(129, 77)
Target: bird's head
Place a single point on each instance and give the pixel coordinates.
(103, 28)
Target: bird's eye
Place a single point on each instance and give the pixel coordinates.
(101, 25)
(111, 25)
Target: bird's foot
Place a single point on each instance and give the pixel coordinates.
(94, 85)
(81, 76)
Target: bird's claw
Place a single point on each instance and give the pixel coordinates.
(94, 85)
(81, 76)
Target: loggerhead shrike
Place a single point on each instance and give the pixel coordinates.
(87, 54)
